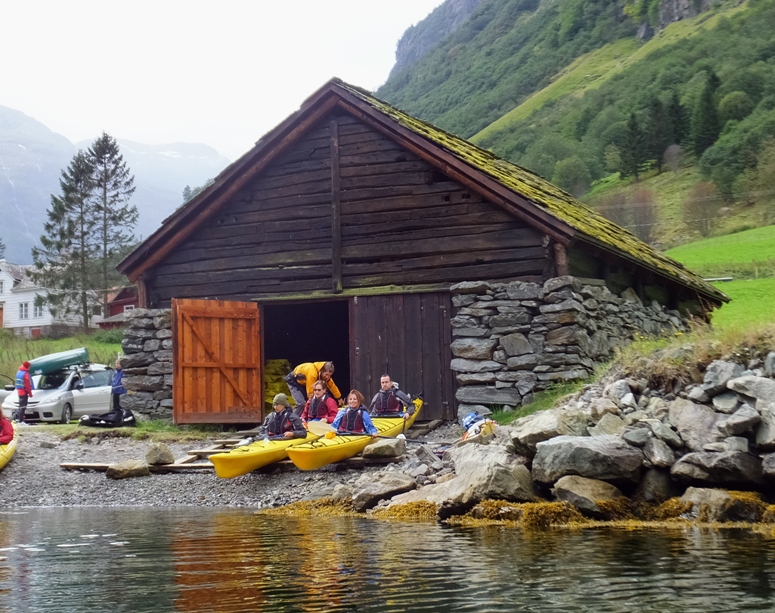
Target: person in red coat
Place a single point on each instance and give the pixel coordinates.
(6, 430)
(23, 389)
(321, 406)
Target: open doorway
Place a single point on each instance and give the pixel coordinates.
(310, 332)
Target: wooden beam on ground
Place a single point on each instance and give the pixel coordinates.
(161, 468)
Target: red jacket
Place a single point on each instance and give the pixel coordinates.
(6, 431)
(326, 412)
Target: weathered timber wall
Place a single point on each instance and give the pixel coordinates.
(402, 223)
(514, 339)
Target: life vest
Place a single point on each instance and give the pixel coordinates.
(20, 382)
(280, 423)
(386, 403)
(352, 421)
(317, 407)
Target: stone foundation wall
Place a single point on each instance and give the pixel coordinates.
(513, 339)
(147, 362)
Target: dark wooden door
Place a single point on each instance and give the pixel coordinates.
(407, 336)
(216, 361)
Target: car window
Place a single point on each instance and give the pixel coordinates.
(92, 380)
(53, 380)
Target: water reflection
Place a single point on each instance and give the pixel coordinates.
(198, 560)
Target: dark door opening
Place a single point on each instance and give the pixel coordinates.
(310, 332)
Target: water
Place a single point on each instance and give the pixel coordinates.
(197, 560)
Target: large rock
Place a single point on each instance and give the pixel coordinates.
(128, 469)
(695, 423)
(370, 489)
(760, 388)
(597, 457)
(480, 394)
(473, 348)
(719, 505)
(159, 454)
(742, 420)
(528, 431)
(656, 486)
(584, 494)
(463, 365)
(768, 466)
(658, 453)
(718, 373)
(608, 424)
(516, 344)
(726, 468)
(483, 471)
(385, 448)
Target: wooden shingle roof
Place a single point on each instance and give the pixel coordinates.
(520, 191)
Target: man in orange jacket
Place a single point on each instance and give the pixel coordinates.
(301, 379)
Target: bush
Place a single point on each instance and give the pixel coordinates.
(112, 336)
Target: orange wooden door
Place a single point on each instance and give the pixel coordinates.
(216, 361)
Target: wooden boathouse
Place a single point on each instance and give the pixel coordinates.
(338, 236)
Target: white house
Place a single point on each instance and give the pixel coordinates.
(18, 311)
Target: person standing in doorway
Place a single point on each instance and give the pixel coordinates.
(118, 386)
(302, 379)
(23, 389)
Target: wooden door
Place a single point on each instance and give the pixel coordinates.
(408, 337)
(216, 362)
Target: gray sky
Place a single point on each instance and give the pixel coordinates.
(217, 72)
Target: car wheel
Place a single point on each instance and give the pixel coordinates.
(67, 414)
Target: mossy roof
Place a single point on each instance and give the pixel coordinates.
(588, 224)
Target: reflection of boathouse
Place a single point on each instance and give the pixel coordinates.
(338, 237)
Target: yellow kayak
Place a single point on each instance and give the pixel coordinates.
(242, 460)
(326, 451)
(7, 451)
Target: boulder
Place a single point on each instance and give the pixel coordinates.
(482, 472)
(608, 424)
(726, 402)
(385, 448)
(528, 431)
(768, 466)
(342, 493)
(424, 454)
(664, 432)
(719, 505)
(370, 489)
(658, 453)
(765, 433)
(655, 486)
(474, 394)
(742, 420)
(725, 468)
(516, 344)
(128, 469)
(760, 388)
(584, 494)
(597, 457)
(717, 375)
(695, 423)
(159, 454)
(473, 348)
(637, 437)
(463, 365)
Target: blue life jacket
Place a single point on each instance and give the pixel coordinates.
(20, 374)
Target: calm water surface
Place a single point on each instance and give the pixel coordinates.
(193, 560)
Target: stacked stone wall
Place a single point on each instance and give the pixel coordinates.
(147, 362)
(511, 340)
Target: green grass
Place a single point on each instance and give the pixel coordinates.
(753, 304)
(541, 401)
(15, 349)
(749, 254)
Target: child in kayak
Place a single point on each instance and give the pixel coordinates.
(283, 422)
(355, 418)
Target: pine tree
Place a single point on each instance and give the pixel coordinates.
(113, 186)
(659, 134)
(65, 262)
(632, 149)
(679, 129)
(705, 121)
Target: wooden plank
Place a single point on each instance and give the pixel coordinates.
(162, 468)
(336, 211)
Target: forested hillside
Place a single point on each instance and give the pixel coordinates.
(669, 128)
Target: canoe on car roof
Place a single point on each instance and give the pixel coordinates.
(57, 361)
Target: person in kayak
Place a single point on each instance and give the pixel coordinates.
(6, 430)
(302, 379)
(390, 401)
(321, 406)
(354, 419)
(283, 422)
(23, 389)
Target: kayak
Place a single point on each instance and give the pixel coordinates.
(7, 451)
(53, 362)
(326, 451)
(242, 460)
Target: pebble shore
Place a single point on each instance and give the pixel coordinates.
(33, 477)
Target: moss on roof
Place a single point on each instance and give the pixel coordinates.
(589, 224)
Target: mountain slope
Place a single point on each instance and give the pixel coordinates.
(31, 161)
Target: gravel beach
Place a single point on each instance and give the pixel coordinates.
(34, 478)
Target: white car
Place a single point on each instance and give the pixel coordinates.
(66, 394)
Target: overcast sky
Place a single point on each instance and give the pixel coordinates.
(217, 72)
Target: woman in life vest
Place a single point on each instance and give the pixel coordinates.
(23, 389)
(6, 430)
(321, 406)
(283, 422)
(355, 418)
